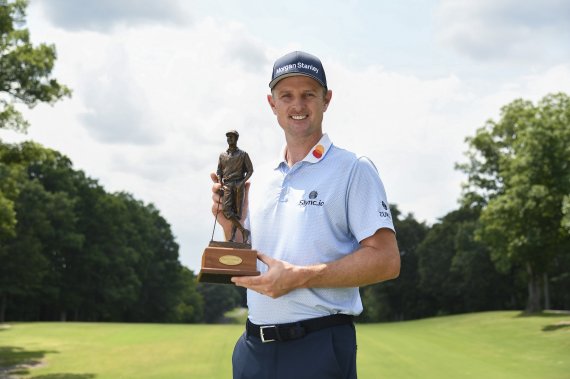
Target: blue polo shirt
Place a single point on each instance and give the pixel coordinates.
(316, 211)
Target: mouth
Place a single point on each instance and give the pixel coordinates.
(299, 117)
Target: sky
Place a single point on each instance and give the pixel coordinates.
(156, 84)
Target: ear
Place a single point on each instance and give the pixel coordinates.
(328, 98)
(271, 103)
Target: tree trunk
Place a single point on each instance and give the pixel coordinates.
(546, 291)
(3, 304)
(534, 291)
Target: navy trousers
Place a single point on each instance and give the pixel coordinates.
(329, 353)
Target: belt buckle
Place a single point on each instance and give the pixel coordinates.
(262, 334)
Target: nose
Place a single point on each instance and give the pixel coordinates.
(297, 105)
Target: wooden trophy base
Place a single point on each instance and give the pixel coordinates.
(222, 260)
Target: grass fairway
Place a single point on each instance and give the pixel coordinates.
(494, 345)
(483, 345)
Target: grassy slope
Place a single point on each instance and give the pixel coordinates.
(484, 345)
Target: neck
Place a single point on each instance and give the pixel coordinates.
(298, 148)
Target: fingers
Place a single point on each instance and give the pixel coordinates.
(216, 193)
(244, 281)
(265, 258)
(269, 283)
(215, 187)
(216, 209)
(217, 199)
(258, 284)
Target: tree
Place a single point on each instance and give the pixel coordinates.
(25, 77)
(24, 264)
(438, 283)
(218, 299)
(456, 271)
(10, 175)
(519, 173)
(191, 306)
(36, 257)
(25, 70)
(76, 252)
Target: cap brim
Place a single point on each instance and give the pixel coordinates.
(274, 82)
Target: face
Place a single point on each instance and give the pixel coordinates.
(232, 139)
(299, 104)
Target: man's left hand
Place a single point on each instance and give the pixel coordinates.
(281, 278)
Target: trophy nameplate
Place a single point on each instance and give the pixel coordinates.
(223, 260)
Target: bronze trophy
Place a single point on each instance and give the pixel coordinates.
(222, 260)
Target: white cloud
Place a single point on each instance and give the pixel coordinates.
(104, 15)
(117, 108)
(506, 30)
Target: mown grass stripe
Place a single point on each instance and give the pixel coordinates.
(492, 345)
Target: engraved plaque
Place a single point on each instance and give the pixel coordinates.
(230, 260)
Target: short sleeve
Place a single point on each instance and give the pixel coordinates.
(366, 201)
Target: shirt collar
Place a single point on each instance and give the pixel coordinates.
(316, 153)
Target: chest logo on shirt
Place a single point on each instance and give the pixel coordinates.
(313, 201)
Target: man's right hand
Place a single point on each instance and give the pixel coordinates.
(217, 195)
(217, 205)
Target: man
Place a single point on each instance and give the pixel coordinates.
(234, 169)
(320, 220)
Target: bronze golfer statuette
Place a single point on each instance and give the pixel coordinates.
(222, 260)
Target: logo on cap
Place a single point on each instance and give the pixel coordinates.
(298, 63)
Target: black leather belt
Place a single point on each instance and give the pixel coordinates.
(295, 330)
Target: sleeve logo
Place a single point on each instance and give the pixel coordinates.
(384, 213)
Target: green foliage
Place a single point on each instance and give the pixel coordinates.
(191, 306)
(444, 271)
(25, 70)
(218, 299)
(566, 213)
(519, 171)
(10, 176)
(75, 252)
(456, 270)
(7, 215)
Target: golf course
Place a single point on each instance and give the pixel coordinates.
(488, 345)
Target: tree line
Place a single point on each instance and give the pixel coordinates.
(507, 246)
(70, 251)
